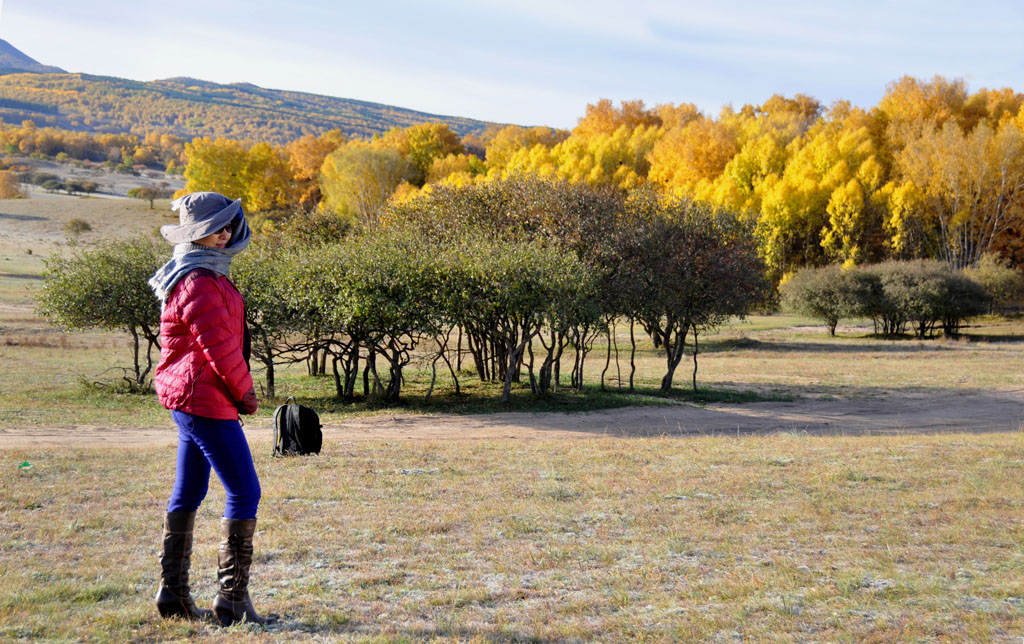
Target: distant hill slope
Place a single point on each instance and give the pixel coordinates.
(188, 108)
(13, 60)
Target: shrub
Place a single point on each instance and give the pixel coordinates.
(107, 288)
(828, 293)
(958, 299)
(1004, 285)
(10, 187)
(77, 226)
(926, 294)
(39, 178)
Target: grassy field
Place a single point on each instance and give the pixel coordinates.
(787, 538)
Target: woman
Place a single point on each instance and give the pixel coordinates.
(203, 378)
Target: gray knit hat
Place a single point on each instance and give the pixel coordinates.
(200, 214)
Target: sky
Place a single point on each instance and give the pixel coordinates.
(533, 62)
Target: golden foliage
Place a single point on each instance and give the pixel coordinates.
(509, 140)
(603, 118)
(10, 187)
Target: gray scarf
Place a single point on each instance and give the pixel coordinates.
(188, 257)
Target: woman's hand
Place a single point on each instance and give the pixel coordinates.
(248, 404)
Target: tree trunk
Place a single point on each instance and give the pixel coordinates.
(608, 355)
(454, 373)
(506, 390)
(534, 385)
(673, 354)
(268, 362)
(339, 388)
(632, 354)
(695, 351)
(135, 356)
(458, 357)
(351, 372)
(433, 376)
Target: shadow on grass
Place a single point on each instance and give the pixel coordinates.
(22, 217)
(20, 276)
(991, 337)
(484, 398)
(893, 344)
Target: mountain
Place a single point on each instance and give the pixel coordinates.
(187, 107)
(13, 60)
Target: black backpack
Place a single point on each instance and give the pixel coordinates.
(296, 429)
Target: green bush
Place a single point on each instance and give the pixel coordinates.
(107, 288)
(1004, 285)
(77, 226)
(922, 295)
(52, 185)
(828, 293)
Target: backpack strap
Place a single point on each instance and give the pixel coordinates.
(277, 451)
(294, 419)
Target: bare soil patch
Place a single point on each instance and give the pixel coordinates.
(891, 413)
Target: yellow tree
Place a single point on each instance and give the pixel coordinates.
(910, 100)
(464, 165)
(538, 160)
(305, 158)
(603, 118)
(958, 192)
(618, 159)
(420, 144)
(764, 140)
(10, 187)
(513, 138)
(216, 165)
(359, 178)
(267, 179)
(911, 106)
(825, 206)
(994, 104)
(676, 116)
(691, 153)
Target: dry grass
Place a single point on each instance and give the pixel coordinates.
(38, 224)
(780, 539)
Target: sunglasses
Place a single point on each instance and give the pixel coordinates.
(225, 229)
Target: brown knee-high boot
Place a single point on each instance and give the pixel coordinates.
(234, 558)
(174, 599)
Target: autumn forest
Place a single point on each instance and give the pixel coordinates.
(931, 171)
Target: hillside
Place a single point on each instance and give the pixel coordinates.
(188, 107)
(14, 60)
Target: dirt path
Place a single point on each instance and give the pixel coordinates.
(894, 413)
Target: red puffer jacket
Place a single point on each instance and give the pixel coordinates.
(202, 370)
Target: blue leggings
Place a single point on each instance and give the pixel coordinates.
(205, 442)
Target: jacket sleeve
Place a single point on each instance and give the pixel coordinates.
(205, 313)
